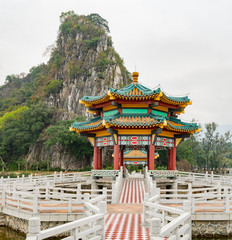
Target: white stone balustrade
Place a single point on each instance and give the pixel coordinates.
(166, 221)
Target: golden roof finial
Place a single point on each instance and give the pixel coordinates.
(135, 76)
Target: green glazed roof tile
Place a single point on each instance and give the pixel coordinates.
(92, 98)
(126, 91)
(134, 120)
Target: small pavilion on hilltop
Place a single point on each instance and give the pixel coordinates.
(135, 118)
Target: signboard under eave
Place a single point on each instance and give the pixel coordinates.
(135, 163)
(135, 141)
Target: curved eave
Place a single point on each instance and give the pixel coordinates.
(86, 128)
(93, 124)
(181, 103)
(91, 102)
(183, 129)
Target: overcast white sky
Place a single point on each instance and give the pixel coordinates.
(185, 46)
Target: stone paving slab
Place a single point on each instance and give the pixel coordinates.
(125, 208)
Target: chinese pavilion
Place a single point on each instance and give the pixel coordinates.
(135, 117)
(135, 157)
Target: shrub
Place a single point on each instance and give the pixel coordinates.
(54, 87)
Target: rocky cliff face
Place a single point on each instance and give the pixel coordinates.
(83, 63)
(56, 157)
(89, 64)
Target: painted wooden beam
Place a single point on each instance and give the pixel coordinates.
(155, 133)
(94, 109)
(116, 104)
(82, 134)
(175, 110)
(182, 135)
(112, 131)
(102, 104)
(155, 104)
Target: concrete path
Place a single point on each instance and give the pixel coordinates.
(124, 220)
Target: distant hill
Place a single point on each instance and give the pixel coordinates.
(82, 62)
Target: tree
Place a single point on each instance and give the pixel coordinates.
(215, 146)
(18, 133)
(70, 141)
(99, 21)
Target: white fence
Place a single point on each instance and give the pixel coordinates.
(50, 200)
(166, 222)
(117, 186)
(23, 182)
(90, 227)
(204, 178)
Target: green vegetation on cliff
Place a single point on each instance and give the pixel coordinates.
(60, 134)
(26, 112)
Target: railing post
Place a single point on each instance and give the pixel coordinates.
(61, 176)
(35, 203)
(69, 205)
(30, 178)
(3, 197)
(78, 192)
(227, 200)
(103, 207)
(14, 189)
(114, 193)
(157, 191)
(193, 205)
(46, 179)
(101, 222)
(219, 190)
(175, 188)
(155, 229)
(206, 176)
(47, 191)
(190, 191)
(55, 177)
(1, 181)
(33, 229)
(86, 197)
(211, 177)
(193, 177)
(104, 192)
(145, 208)
(187, 206)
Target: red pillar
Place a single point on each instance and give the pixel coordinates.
(121, 159)
(116, 156)
(173, 159)
(95, 156)
(151, 165)
(169, 158)
(148, 158)
(99, 158)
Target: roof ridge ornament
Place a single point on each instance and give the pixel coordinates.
(135, 76)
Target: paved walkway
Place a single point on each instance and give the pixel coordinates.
(124, 220)
(132, 191)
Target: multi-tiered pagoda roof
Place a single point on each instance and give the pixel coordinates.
(135, 117)
(135, 106)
